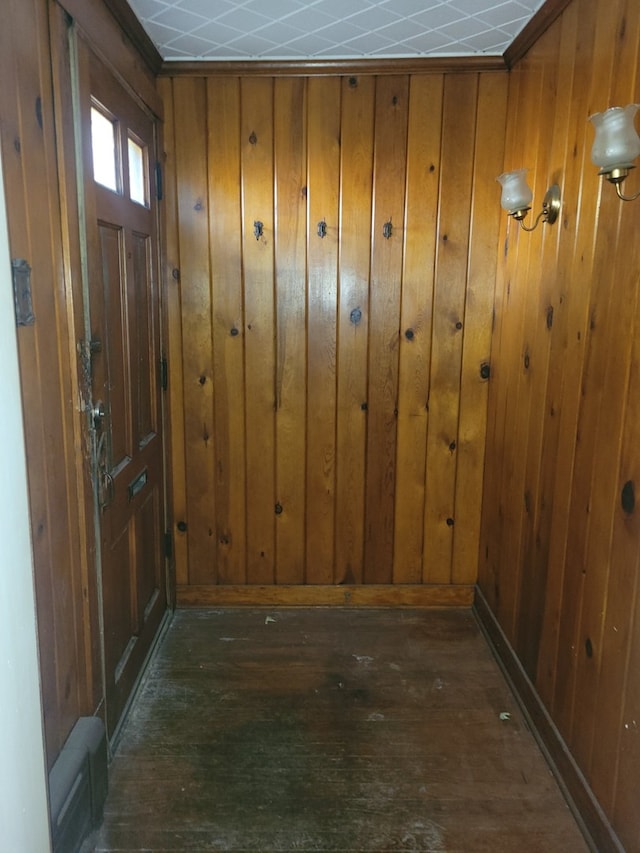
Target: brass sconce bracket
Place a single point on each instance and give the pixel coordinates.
(616, 177)
(550, 209)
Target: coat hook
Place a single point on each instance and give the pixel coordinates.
(387, 229)
(258, 229)
(322, 229)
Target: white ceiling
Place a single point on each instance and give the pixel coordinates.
(331, 29)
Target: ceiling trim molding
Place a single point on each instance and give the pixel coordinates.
(135, 32)
(537, 26)
(332, 67)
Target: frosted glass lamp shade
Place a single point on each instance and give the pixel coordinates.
(616, 144)
(516, 195)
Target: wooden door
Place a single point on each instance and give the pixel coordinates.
(123, 317)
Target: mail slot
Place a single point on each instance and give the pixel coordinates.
(138, 484)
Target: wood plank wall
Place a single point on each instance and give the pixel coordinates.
(328, 409)
(560, 539)
(40, 184)
(48, 374)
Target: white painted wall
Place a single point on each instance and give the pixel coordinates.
(24, 822)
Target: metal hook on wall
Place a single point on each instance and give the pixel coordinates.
(387, 230)
(258, 229)
(322, 228)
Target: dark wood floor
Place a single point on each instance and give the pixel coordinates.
(330, 730)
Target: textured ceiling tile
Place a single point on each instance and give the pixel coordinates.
(277, 9)
(340, 32)
(477, 7)
(343, 8)
(410, 7)
(310, 20)
(491, 41)
(191, 46)
(311, 44)
(464, 29)
(280, 33)
(160, 33)
(430, 42)
(242, 19)
(251, 45)
(251, 29)
(438, 17)
(149, 8)
(179, 19)
(374, 18)
(368, 43)
(400, 30)
(504, 15)
(210, 9)
(217, 33)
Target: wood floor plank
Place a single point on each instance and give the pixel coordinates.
(329, 729)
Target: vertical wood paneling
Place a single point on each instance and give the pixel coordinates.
(290, 129)
(563, 575)
(614, 752)
(190, 106)
(358, 96)
(332, 356)
(477, 325)
(492, 524)
(620, 624)
(537, 325)
(572, 646)
(421, 214)
(567, 345)
(256, 137)
(227, 329)
(621, 279)
(458, 120)
(549, 316)
(48, 372)
(174, 343)
(323, 182)
(389, 169)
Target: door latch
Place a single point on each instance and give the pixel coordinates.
(98, 413)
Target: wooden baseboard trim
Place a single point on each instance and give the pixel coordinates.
(403, 595)
(595, 825)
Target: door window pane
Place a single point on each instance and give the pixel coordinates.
(137, 173)
(104, 146)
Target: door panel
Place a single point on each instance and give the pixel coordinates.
(124, 325)
(108, 326)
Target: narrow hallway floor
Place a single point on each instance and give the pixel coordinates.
(330, 730)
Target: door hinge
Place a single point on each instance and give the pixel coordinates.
(21, 273)
(168, 545)
(164, 373)
(159, 188)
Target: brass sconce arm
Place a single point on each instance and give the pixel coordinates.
(549, 212)
(617, 177)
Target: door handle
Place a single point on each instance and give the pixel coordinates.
(98, 413)
(107, 488)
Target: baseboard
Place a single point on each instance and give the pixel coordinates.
(595, 825)
(78, 784)
(365, 595)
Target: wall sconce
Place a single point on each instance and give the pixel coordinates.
(616, 145)
(517, 196)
